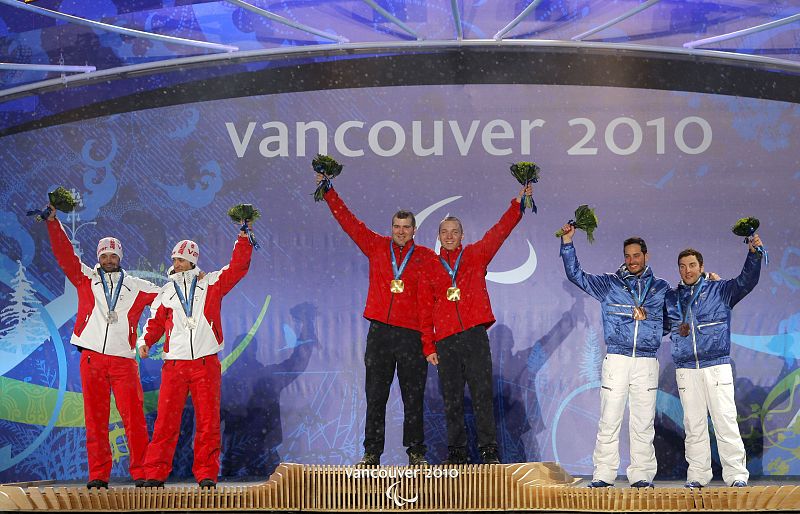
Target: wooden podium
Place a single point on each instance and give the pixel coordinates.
(534, 486)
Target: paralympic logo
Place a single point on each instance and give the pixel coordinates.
(393, 494)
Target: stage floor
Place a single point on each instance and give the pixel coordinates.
(533, 486)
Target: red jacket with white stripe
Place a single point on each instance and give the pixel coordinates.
(397, 309)
(184, 342)
(92, 330)
(474, 307)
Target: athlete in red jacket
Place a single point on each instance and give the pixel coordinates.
(188, 310)
(393, 340)
(461, 314)
(110, 303)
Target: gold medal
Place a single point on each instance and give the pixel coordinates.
(453, 294)
(683, 329)
(639, 313)
(396, 286)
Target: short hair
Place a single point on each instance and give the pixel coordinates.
(635, 241)
(404, 215)
(452, 218)
(688, 253)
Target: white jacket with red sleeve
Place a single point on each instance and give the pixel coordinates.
(92, 329)
(184, 342)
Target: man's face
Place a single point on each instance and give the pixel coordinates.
(179, 264)
(450, 234)
(402, 231)
(109, 262)
(635, 259)
(690, 269)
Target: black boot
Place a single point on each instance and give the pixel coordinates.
(456, 455)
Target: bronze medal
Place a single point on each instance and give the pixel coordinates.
(396, 286)
(453, 294)
(683, 329)
(639, 313)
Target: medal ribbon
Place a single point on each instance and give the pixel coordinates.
(186, 303)
(682, 314)
(111, 300)
(250, 236)
(399, 272)
(454, 270)
(759, 249)
(638, 300)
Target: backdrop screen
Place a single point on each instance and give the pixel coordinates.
(677, 169)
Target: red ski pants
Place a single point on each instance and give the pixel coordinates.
(100, 375)
(200, 377)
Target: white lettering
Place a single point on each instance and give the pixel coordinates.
(526, 128)
(240, 145)
(399, 138)
(488, 135)
(681, 142)
(322, 136)
(338, 139)
(464, 143)
(282, 140)
(416, 139)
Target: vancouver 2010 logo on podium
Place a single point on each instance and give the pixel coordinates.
(393, 492)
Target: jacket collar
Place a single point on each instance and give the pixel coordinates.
(626, 275)
(683, 285)
(180, 276)
(450, 255)
(114, 274)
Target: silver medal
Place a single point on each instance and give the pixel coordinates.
(112, 317)
(191, 323)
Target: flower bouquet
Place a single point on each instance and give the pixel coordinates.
(585, 219)
(241, 214)
(526, 173)
(745, 228)
(60, 198)
(329, 168)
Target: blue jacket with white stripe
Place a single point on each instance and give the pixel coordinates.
(616, 293)
(708, 316)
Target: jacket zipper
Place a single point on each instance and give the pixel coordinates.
(694, 338)
(111, 292)
(458, 313)
(389, 312)
(191, 339)
(636, 321)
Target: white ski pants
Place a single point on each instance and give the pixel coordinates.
(633, 379)
(710, 391)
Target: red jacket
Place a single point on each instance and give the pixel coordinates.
(398, 309)
(167, 315)
(92, 330)
(474, 307)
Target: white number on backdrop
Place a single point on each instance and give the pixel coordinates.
(577, 148)
(610, 139)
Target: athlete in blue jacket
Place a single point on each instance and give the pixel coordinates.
(632, 303)
(699, 321)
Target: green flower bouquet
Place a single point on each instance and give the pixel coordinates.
(585, 219)
(330, 169)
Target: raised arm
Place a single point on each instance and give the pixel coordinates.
(734, 290)
(231, 274)
(63, 251)
(595, 285)
(494, 238)
(362, 236)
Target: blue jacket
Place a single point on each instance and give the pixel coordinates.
(623, 334)
(709, 316)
